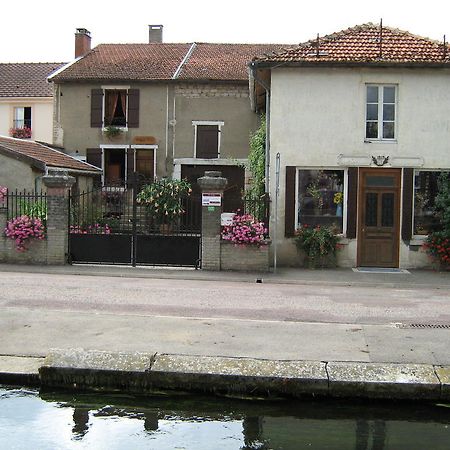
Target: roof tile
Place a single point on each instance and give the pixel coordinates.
(26, 79)
(367, 43)
(41, 153)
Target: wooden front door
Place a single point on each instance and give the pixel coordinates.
(379, 217)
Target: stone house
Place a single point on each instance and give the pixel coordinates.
(23, 163)
(360, 119)
(160, 109)
(26, 100)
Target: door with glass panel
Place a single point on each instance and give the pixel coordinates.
(379, 217)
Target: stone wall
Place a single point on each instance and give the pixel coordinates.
(196, 90)
(244, 258)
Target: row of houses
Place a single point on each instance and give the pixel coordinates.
(358, 127)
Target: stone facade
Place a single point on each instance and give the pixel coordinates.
(192, 90)
(244, 258)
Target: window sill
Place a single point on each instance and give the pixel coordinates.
(380, 141)
(122, 129)
(418, 240)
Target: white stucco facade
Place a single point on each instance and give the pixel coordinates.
(41, 116)
(318, 121)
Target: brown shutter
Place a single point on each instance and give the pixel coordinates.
(133, 108)
(352, 202)
(408, 188)
(96, 108)
(207, 141)
(94, 157)
(289, 205)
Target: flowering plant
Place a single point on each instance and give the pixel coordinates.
(90, 229)
(3, 193)
(20, 133)
(437, 246)
(22, 228)
(244, 229)
(338, 197)
(163, 198)
(317, 242)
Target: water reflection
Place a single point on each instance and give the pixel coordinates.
(203, 423)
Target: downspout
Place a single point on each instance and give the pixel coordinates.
(267, 149)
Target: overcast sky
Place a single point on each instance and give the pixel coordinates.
(43, 31)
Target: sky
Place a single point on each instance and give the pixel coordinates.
(43, 30)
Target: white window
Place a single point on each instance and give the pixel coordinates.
(320, 198)
(207, 139)
(22, 117)
(380, 111)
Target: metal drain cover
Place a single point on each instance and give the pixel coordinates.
(439, 326)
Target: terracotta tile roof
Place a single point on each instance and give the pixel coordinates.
(223, 61)
(42, 155)
(161, 61)
(361, 44)
(26, 79)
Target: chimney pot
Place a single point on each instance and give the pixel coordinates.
(82, 42)
(155, 33)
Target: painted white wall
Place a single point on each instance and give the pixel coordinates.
(319, 113)
(41, 116)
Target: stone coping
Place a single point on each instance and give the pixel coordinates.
(142, 373)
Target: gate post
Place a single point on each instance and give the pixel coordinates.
(211, 183)
(58, 184)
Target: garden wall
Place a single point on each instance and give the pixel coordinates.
(245, 258)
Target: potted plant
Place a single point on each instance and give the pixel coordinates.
(163, 200)
(20, 133)
(319, 244)
(111, 131)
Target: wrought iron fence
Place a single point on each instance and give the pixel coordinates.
(26, 203)
(258, 207)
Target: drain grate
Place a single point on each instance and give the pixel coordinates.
(439, 326)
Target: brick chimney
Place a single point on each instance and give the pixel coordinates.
(82, 42)
(155, 33)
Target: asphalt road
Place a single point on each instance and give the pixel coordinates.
(39, 312)
(222, 299)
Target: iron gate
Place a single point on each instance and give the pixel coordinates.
(108, 225)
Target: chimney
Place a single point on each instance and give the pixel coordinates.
(155, 33)
(82, 42)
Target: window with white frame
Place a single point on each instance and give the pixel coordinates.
(425, 190)
(115, 108)
(207, 139)
(22, 117)
(320, 198)
(380, 111)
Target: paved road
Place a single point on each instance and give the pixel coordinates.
(222, 299)
(222, 318)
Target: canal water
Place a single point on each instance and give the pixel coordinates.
(33, 420)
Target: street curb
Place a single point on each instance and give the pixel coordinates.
(144, 373)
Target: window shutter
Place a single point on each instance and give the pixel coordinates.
(289, 205)
(94, 157)
(352, 202)
(207, 141)
(408, 188)
(96, 108)
(133, 108)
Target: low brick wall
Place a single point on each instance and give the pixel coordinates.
(244, 258)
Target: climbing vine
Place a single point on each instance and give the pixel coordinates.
(257, 160)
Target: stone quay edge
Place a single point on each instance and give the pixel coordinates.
(144, 373)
